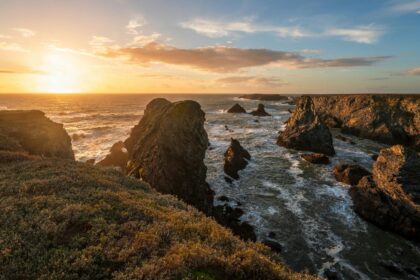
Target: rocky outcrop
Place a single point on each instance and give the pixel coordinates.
(237, 109)
(229, 217)
(316, 158)
(117, 157)
(265, 97)
(391, 119)
(33, 133)
(305, 131)
(391, 197)
(349, 174)
(260, 112)
(167, 149)
(236, 158)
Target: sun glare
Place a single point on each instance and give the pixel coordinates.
(62, 74)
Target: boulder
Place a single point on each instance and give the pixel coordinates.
(33, 133)
(391, 197)
(236, 158)
(305, 131)
(118, 157)
(390, 119)
(167, 148)
(349, 174)
(237, 109)
(260, 112)
(229, 217)
(316, 158)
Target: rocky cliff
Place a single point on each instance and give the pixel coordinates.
(167, 149)
(391, 119)
(32, 133)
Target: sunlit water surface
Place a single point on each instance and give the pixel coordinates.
(307, 209)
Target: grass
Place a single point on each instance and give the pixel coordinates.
(65, 220)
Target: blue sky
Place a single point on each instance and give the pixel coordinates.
(217, 46)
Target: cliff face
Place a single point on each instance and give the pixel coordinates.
(167, 149)
(33, 133)
(391, 119)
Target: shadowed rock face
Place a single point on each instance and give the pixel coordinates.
(260, 112)
(118, 157)
(305, 132)
(349, 174)
(236, 158)
(167, 149)
(33, 133)
(391, 197)
(237, 109)
(391, 119)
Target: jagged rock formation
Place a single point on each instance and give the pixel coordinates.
(236, 158)
(118, 157)
(305, 131)
(391, 119)
(260, 112)
(167, 149)
(316, 158)
(391, 197)
(32, 133)
(349, 174)
(265, 97)
(237, 109)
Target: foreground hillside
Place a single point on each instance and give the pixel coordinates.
(67, 220)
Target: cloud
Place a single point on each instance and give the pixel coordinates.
(25, 32)
(22, 70)
(362, 34)
(253, 81)
(414, 72)
(310, 51)
(403, 7)
(142, 40)
(134, 24)
(229, 59)
(14, 47)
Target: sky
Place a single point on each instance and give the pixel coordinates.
(197, 46)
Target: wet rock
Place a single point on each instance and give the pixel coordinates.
(316, 158)
(332, 274)
(275, 246)
(118, 157)
(32, 133)
(391, 119)
(167, 150)
(265, 97)
(228, 180)
(374, 157)
(237, 109)
(224, 198)
(349, 173)
(390, 198)
(345, 139)
(305, 132)
(236, 158)
(392, 267)
(271, 234)
(260, 111)
(229, 217)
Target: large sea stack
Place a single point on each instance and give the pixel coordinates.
(167, 149)
(305, 131)
(391, 197)
(236, 158)
(391, 119)
(32, 133)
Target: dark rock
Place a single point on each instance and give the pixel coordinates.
(33, 133)
(90, 161)
(224, 198)
(236, 158)
(228, 180)
(390, 199)
(304, 131)
(392, 267)
(349, 173)
(229, 217)
(332, 274)
(237, 109)
(345, 139)
(316, 158)
(275, 246)
(271, 234)
(260, 111)
(256, 121)
(118, 157)
(391, 119)
(265, 97)
(167, 149)
(374, 157)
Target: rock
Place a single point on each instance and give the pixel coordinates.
(275, 246)
(390, 119)
(390, 198)
(392, 267)
(304, 131)
(374, 157)
(271, 234)
(260, 111)
(349, 173)
(316, 158)
(118, 157)
(91, 161)
(237, 109)
(236, 158)
(332, 274)
(33, 133)
(224, 198)
(167, 149)
(77, 136)
(265, 97)
(345, 139)
(229, 217)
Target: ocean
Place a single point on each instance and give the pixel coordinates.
(309, 212)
